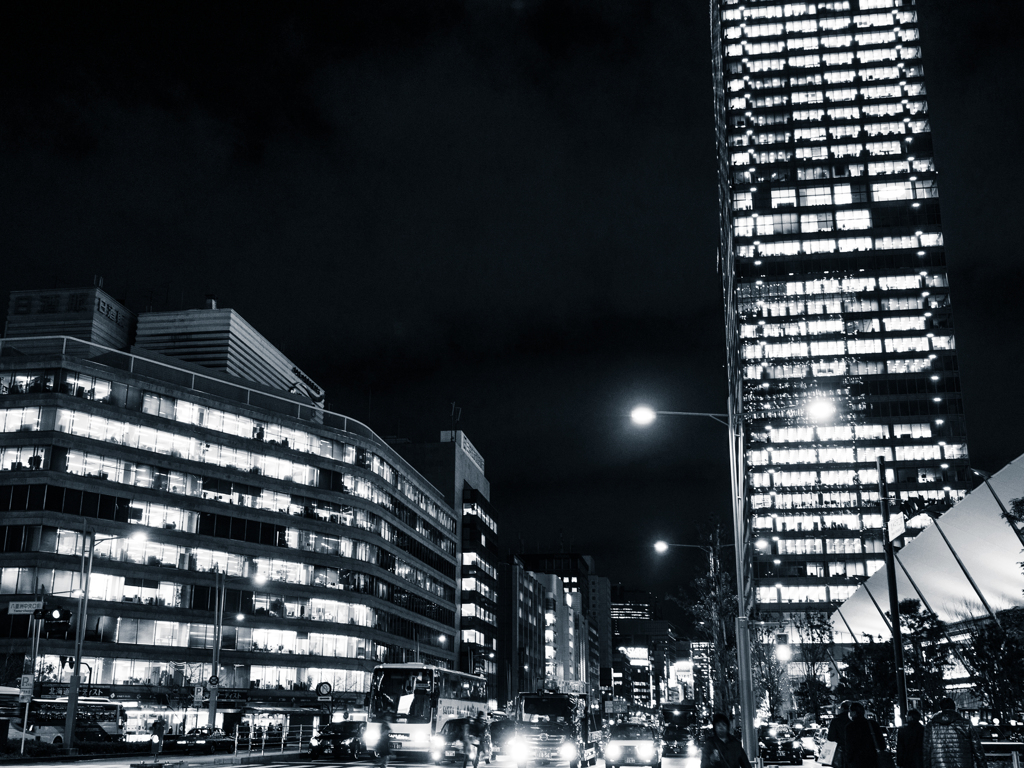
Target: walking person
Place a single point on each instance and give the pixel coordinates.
(950, 741)
(860, 740)
(837, 733)
(910, 742)
(384, 745)
(473, 740)
(721, 749)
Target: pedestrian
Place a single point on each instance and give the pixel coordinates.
(721, 749)
(384, 745)
(910, 742)
(837, 733)
(859, 749)
(158, 729)
(950, 741)
(473, 740)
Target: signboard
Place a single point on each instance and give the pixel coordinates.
(323, 689)
(897, 526)
(197, 696)
(24, 607)
(323, 698)
(28, 683)
(214, 681)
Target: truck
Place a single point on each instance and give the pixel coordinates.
(553, 728)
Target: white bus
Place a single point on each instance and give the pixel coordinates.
(417, 700)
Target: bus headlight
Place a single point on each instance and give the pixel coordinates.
(567, 751)
(612, 752)
(645, 751)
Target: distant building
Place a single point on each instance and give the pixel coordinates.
(89, 314)
(601, 620)
(566, 636)
(221, 339)
(575, 571)
(456, 468)
(521, 625)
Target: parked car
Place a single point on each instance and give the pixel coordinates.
(448, 744)
(339, 741)
(633, 744)
(207, 740)
(778, 744)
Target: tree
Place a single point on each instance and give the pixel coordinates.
(870, 675)
(995, 657)
(771, 681)
(813, 695)
(713, 607)
(925, 655)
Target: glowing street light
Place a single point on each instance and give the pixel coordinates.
(643, 415)
(660, 547)
(819, 410)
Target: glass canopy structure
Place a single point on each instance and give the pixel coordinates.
(839, 327)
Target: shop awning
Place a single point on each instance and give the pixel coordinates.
(984, 542)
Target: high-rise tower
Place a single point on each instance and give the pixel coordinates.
(840, 333)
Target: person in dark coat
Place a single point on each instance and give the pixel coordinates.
(950, 741)
(910, 742)
(383, 748)
(860, 740)
(721, 749)
(837, 733)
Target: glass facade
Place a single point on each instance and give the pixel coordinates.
(337, 555)
(838, 316)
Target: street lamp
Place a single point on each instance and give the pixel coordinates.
(644, 415)
(221, 580)
(88, 550)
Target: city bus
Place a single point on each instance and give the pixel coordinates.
(417, 700)
(97, 719)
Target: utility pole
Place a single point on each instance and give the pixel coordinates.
(894, 600)
(88, 547)
(220, 587)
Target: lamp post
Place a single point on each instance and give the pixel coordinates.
(219, 599)
(644, 416)
(88, 551)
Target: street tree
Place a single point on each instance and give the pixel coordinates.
(926, 657)
(771, 681)
(817, 642)
(870, 675)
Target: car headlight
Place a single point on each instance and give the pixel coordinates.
(613, 752)
(198, 741)
(435, 756)
(567, 751)
(314, 741)
(371, 735)
(437, 742)
(645, 751)
(518, 750)
(155, 739)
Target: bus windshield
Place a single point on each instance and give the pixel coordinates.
(402, 694)
(545, 710)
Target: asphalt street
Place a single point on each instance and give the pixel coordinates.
(243, 760)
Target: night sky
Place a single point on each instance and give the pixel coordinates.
(506, 205)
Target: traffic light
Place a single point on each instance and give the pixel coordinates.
(56, 620)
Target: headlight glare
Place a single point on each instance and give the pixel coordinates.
(567, 751)
(437, 742)
(645, 751)
(518, 750)
(612, 752)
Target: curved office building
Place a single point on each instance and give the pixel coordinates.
(336, 555)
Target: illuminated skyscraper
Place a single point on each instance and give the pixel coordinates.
(840, 333)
